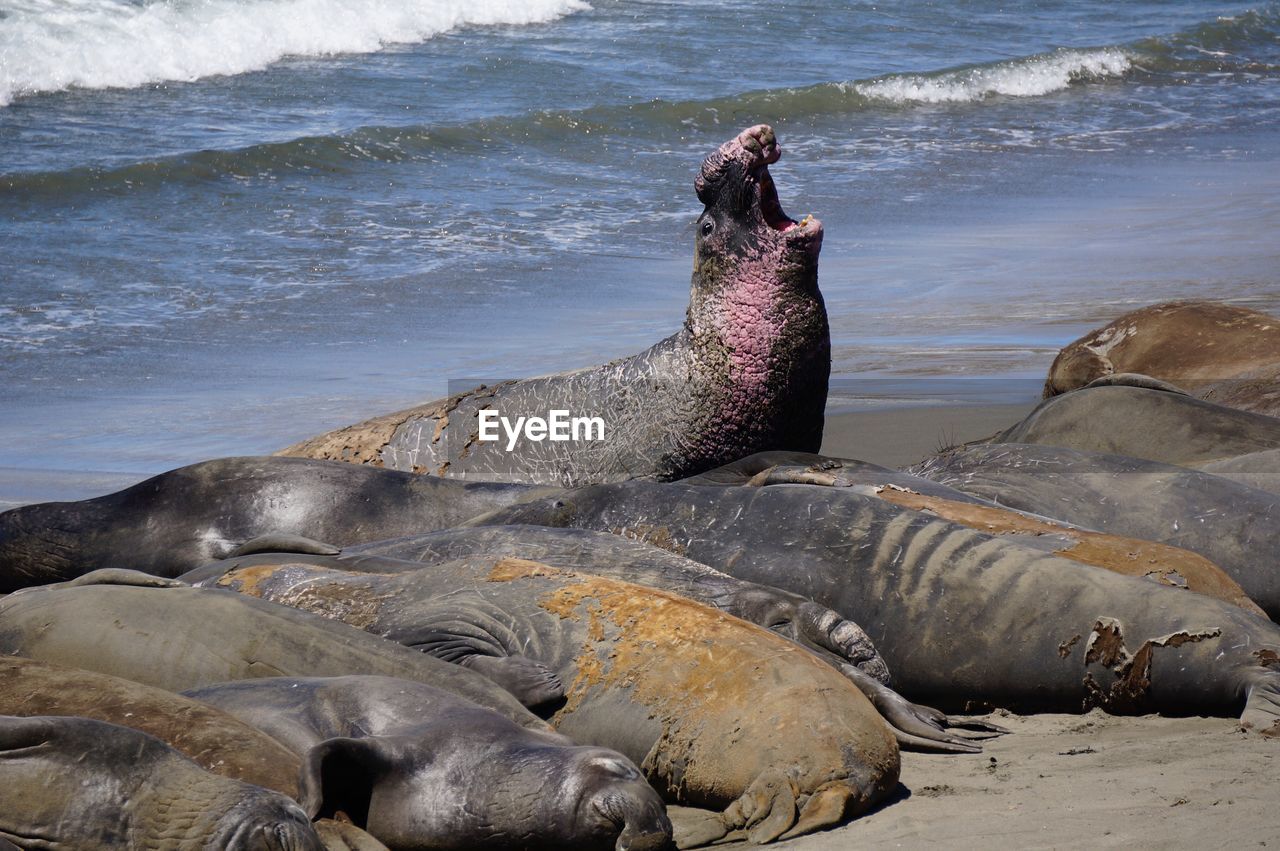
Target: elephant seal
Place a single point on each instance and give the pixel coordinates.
(212, 739)
(1218, 352)
(719, 713)
(419, 767)
(1162, 563)
(838, 641)
(1142, 423)
(1232, 525)
(77, 783)
(176, 637)
(179, 520)
(748, 371)
(958, 615)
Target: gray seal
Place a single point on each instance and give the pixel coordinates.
(172, 636)
(419, 767)
(1140, 422)
(747, 372)
(179, 520)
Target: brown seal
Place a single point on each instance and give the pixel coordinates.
(1217, 352)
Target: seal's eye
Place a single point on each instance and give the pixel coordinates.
(707, 227)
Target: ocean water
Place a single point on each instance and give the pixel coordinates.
(229, 224)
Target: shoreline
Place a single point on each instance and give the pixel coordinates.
(902, 436)
(891, 437)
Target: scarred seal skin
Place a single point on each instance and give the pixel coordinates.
(422, 768)
(719, 713)
(77, 783)
(1218, 352)
(1140, 422)
(1162, 563)
(1231, 524)
(958, 615)
(1259, 470)
(747, 372)
(212, 739)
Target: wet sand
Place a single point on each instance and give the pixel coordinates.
(893, 437)
(899, 437)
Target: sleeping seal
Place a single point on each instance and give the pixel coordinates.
(718, 713)
(419, 767)
(83, 785)
(958, 615)
(1219, 352)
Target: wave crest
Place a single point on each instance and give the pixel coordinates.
(50, 45)
(1031, 77)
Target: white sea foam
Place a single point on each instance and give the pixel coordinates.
(49, 45)
(1030, 77)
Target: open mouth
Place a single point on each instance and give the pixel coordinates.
(771, 209)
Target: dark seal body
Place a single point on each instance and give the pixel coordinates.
(179, 520)
(1163, 563)
(747, 372)
(957, 615)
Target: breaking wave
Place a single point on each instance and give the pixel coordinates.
(51, 45)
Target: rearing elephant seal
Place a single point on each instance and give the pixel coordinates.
(747, 372)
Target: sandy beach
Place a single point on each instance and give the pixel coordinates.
(1056, 780)
(900, 437)
(1081, 781)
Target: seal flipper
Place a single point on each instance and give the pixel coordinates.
(917, 727)
(282, 542)
(532, 683)
(692, 827)
(471, 633)
(1262, 707)
(111, 576)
